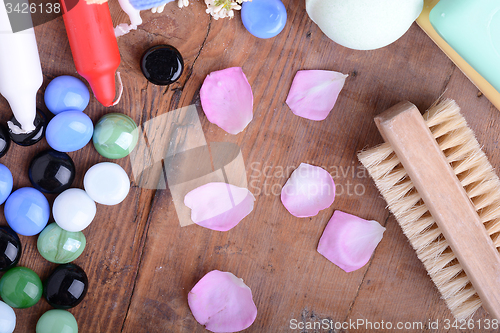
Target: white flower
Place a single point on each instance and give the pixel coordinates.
(182, 3)
(158, 9)
(223, 8)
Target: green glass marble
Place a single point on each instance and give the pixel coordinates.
(115, 135)
(20, 287)
(57, 321)
(60, 246)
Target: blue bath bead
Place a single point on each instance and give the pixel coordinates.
(6, 183)
(263, 18)
(66, 93)
(27, 211)
(69, 131)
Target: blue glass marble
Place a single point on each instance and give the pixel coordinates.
(6, 182)
(66, 93)
(263, 18)
(69, 131)
(27, 211)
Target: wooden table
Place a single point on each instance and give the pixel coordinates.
(141, 264)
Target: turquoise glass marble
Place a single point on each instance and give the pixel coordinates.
(57, 321)
(20, 287)
(60, 246)
(115, 135)
(472, 29)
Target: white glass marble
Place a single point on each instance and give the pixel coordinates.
(107, 183)
(73, 210)
(7, 318)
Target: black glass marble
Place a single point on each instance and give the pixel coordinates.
(10, 248)
(162, 65)
(28, 139)
(66, 286)
(4, 140)
(51, 171)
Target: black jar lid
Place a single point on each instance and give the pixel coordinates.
(28, 139)
(4, 140)
(162, 65)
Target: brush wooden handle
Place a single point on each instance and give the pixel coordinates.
(403, 127)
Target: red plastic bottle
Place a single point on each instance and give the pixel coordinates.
(94, 46)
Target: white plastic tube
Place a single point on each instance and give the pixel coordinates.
(20, 72)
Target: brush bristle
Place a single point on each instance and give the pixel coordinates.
(479, 180)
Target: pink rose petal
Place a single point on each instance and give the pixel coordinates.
(219, 206)
(227, 99)
(349, 241)
(314, 93)
(308, 190)
(222, 302)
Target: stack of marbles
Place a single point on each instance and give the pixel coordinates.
(53, 171)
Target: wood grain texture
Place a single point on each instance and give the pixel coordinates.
(141, 264)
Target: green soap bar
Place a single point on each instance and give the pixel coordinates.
(20, 287)
(60, 246)
(57, 321)
(472, 29)
(115, 135)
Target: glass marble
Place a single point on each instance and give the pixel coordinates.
(51, 171)
(60, 246)
(115, 135)
(107, 183)
(6, 183)
(66, 287)
(28, 139)
(4, 140)
(73, 210)
(10, 248)
(57, 321)
(69, 131)
(264, 18)
(27, 211)
(20, 287)
(7, 318)
(66, 93)
(162, 65)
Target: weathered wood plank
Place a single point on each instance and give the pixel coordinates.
(271, 250)
(141, 264)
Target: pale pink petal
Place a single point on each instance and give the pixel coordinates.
(227, 99)
(222, 302)
(314, 93)
(219, 206)
(349, 241)
(308, 190)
